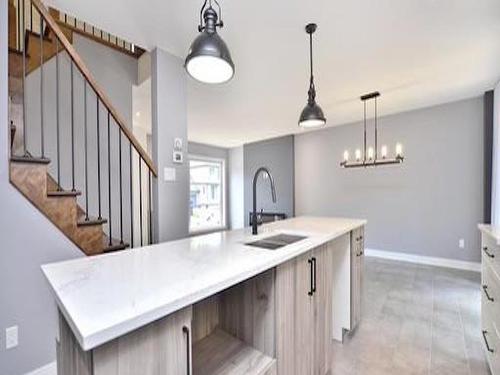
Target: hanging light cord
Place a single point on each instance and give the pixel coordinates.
(376, 135)
(364, 132)
(312, 89)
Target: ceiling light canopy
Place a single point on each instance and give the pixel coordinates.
(209, 59)
(312, 115)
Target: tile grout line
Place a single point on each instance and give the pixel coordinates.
(463, 336)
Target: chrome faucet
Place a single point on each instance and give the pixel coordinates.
(273, 193)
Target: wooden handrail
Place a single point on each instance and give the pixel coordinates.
(93, 83)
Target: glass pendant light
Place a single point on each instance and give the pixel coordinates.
(209, 59)
(312, 115)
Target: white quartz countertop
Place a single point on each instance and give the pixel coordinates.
(491, 231)
(104, 297)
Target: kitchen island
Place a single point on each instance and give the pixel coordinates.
(212, 304)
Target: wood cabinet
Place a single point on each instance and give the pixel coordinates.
(160, 348)
(357, 264)
(304, 300)
(490, 301)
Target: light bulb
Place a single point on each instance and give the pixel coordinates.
(346, 155)
(383, 151)
(399, 149)
(358, 154)
(370, 153)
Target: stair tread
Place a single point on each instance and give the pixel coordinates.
(116, 245)
(63, 193)
(29, 159)
(91, 221)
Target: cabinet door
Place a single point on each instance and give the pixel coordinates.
(323, 309)
(162, 347)
(304, 316)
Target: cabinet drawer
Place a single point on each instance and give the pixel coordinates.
(491, 342)
(490, 251)
(490, 294)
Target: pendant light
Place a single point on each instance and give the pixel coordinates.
(370, 156)
(312, 115)
(209, 59)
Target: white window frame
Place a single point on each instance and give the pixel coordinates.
(222, 161)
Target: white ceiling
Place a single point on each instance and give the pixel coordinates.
(417, 53)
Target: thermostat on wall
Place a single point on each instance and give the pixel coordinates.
(177, 157)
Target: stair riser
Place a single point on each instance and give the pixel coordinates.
(32, 181)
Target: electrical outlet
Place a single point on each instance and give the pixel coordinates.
(11, 337)
(461, 243)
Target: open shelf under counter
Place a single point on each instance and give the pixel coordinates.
(223, 354)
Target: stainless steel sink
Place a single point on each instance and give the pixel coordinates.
(276, 242)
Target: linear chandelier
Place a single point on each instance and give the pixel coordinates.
(370, 156)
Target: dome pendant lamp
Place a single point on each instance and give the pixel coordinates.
(208, 59)
(312, 115)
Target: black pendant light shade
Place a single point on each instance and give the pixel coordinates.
(312, 115)
(209, 59)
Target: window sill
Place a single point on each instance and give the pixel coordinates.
(199, 232)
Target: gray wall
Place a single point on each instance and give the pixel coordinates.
(28, 240)
(200, 149)
(116, 73)
(236, 188)
(169, 120)
(278, 155)
(423, 206)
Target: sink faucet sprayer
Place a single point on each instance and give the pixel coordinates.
(273, 193)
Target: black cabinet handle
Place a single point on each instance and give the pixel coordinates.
(188, 347)
(485, 289)
(314, 278)
(311, 275)
(486, 342)
(485, 249)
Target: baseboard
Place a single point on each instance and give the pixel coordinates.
(49, 369)
(421, 259)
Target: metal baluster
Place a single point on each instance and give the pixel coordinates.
(72, 130)
(149, 210)
(109, 181)
(85, 151)
(98, 160)
(140, 198)
(58, 136)
(42, 141)
(18, 24)
(24, 83)
(131, 199)
(121, 185)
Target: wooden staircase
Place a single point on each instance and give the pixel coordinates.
(30, 174)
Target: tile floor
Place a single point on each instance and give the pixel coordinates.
(416, 320)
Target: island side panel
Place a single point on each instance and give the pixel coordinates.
(341, 253)
(71, 359)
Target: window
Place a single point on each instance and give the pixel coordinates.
(206, 200)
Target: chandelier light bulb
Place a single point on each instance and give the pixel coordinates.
(399, 149)
(346, 155)
(370, 153)
(383, 152)
(358, 154)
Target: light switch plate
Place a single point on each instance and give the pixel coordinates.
(461, 243)
(11, 337)
(169, 174)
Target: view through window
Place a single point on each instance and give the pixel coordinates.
(206, 194)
